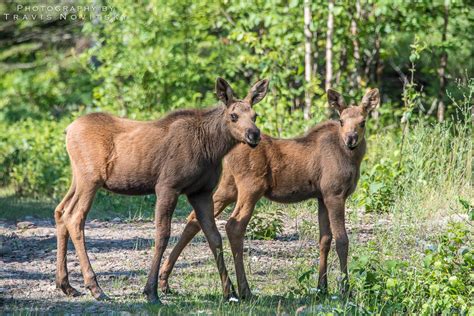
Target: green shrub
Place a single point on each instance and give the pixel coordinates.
(34, 158)
(266, 223)
(377, 186)
(442, 284)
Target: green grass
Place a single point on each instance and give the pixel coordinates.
(106, 207)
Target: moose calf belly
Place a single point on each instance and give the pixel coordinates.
(130, 175)
(289, 194)
(130, 187)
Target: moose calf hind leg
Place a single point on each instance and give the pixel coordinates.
(62, 280)
(191, 229)
(62, 235)
(74, 218)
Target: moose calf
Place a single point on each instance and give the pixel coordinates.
(323, 164)
(179, 154)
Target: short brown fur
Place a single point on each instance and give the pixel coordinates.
(323, 164)
(179, 154)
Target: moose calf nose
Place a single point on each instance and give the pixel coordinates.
(352, 139)
(253, 135)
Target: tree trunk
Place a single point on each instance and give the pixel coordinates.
(377, 65)
(342, 64)
(355, 43)
(329, 36)
(442, 67)
(315, 54)
(307, 59)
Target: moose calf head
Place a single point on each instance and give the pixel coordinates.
(352, 119)
(240, 117)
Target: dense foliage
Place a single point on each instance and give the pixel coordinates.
(441, 285)
(165, 55)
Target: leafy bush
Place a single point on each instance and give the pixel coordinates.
(441, 285)
(34, 158)
(266, 223)
(377, 187)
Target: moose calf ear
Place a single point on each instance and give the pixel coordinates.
(370, 100)
(224, 91)
(336, 101)
(257, 92)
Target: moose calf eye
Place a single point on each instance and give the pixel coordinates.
(342, 123)
(234, 117)
(254, 118)
(362, 124)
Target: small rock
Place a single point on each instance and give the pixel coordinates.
(29, 218)
(25, 225)
(116, 220)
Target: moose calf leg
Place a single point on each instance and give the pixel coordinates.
(336, 212)
(62, 235)
(191, 229)
(222, 198)
(165, 205)
(325, 238)
(203, 206)
(75, 218)
(235, 228)
(62, 279)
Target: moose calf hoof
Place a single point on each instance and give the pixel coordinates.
(101, 297)
(68, 290)
(97, 293)
(153, 299)
(165, 288)
(73, 292)
(246, 295)
(151, 296)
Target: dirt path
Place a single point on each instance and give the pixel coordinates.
(120, 254)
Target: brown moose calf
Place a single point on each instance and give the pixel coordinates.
(179, 154)
(323, 164)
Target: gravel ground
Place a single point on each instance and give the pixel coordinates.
(121, 255)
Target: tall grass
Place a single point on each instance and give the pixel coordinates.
(425, 177)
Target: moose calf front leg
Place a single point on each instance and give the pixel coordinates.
(203, 206)
(336, 211)
(235, 228)
(325, 238)
(165, 205)
(222, 198)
